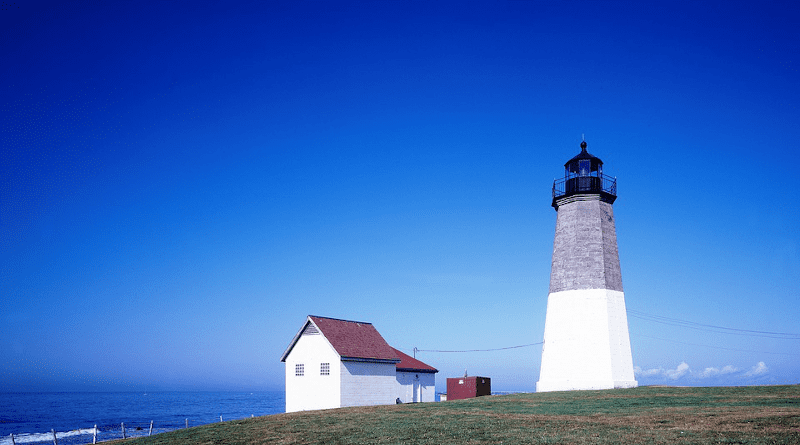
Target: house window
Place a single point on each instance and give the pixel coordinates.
(324, 369)
(299, 370)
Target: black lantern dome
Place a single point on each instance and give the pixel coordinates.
(584, 163)
(583, 175)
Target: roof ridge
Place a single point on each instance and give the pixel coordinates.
(341, 319)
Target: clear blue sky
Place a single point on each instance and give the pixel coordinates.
(182, 183)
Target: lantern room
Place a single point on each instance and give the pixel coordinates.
(583, 175)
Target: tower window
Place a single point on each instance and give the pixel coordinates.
(324, 369)
(299, 370)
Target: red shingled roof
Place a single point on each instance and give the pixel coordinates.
(353, 339)
(408, 363)
(361, 341)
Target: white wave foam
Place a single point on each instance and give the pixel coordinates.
(44, 437)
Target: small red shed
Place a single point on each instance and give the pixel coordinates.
(467, 387)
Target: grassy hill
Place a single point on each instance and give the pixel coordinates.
(647, 415)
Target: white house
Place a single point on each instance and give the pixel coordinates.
(332, 363)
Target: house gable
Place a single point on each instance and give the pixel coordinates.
(312, 372)
(308, 329)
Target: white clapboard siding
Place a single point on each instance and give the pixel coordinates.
(365, 383)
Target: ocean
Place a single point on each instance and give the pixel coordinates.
(73, 415)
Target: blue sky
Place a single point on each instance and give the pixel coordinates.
(183, 183)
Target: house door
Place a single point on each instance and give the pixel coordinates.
(417, 391)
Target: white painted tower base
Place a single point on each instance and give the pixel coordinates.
(586, 342)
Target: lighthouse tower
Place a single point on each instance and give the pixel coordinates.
(586, 341)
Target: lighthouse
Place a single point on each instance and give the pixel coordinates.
(586, 340)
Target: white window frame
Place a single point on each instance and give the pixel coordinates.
(324, 369)
(299, 370)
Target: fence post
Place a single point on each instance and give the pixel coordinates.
(123, 430)
(55, 439)
(187, 423)
(94, 435)
(151, 429)
(220, 418)
(12, 439)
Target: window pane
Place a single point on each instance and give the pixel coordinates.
(584, 165)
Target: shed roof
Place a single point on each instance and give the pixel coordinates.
(410, 364)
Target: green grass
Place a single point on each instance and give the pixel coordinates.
(752, 415)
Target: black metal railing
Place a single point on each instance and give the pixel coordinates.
(584, 184)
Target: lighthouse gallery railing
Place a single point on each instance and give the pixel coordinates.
(584, 184)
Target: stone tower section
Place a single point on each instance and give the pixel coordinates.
(586, 340)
